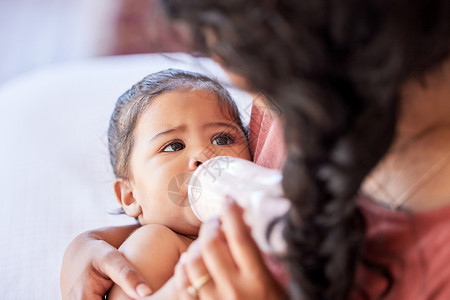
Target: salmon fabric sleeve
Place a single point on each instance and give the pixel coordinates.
(267, 147)
(266, 137)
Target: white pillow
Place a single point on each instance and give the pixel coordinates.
(55, 179)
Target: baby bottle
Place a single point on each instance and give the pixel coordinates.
(256, 189)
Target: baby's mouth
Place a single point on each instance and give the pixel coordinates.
(177, 189)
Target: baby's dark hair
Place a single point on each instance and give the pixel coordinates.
(133, 103)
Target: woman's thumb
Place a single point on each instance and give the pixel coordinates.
(115, 266)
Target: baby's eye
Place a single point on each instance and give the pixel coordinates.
(174, 146)
(222, 139)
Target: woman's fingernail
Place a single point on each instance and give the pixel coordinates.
(143, 290)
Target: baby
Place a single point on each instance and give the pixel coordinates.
(161, 131)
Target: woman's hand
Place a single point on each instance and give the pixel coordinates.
(91, 263)
(226, 251)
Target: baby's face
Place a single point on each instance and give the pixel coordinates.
(178, 131)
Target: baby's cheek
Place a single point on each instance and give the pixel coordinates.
(241, 151)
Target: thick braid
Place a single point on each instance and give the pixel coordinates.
(325, 231)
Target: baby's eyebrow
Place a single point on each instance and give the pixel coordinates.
(168, 131)
(221, 124)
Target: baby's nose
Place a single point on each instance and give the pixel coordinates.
(194, 163)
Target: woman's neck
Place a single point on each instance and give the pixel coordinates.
(414, 174)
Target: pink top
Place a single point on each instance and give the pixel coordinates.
(415, 247)
(266, 138)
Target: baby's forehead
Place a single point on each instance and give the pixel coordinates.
(186, 97)
(202, 105)
(183, 95)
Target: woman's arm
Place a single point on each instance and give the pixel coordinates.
(92, 262)
(154, 250)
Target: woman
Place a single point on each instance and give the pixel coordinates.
(363, 87)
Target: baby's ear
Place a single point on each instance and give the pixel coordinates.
(125, 196)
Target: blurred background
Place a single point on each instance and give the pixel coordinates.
(35, 33)
(61, 70)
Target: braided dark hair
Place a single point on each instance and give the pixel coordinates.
(335, 68)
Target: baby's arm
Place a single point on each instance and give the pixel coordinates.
(154, 250)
